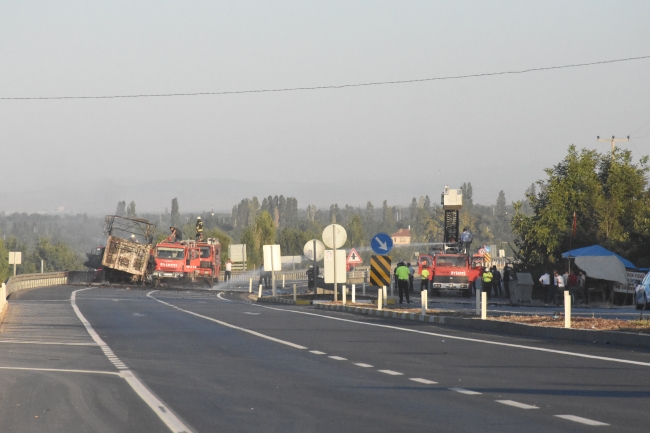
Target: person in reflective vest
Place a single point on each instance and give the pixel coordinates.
(487, 282)
(402, 273)
(424, 283)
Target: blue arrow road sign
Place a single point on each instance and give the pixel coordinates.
(381, 243)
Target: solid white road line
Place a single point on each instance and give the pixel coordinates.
(268, 337)
(338, 358)
(252, 314)
(47, 342)
(424, 381)
(61, 370)
(361, 364)
(391, 372)
(158, 406)
(516, 404)
(317, 352)
(465, 391)
(473, 340)
(581, 420)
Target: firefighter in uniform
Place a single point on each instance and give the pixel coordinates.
(424, 283)
(199, 229)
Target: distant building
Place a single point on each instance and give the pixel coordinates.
(402, 237)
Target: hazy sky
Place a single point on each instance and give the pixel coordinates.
(496, 132)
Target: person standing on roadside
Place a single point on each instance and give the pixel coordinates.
(582, 286)
(411, 274)
(402, 273)
(496, 281)
(548, 286)
(487, 282)
(424, 282)
(506, 280)
(572, 285)
(228, 270)
(559, 281)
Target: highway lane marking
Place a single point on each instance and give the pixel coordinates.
(581, 420)
(317, 352)
(239, 328)
(424, 381)
(516, 404)
(465, 391)
(473, 340)
(61, 370)
(57, 343)
(361, 364)
(166, 416)
(391, 372)
(338, 358)
(252, 314)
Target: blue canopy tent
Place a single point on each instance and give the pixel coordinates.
(601, 263)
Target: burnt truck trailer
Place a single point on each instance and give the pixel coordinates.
(128, 248)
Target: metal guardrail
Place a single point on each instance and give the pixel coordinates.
(255, 275)
(31, 281)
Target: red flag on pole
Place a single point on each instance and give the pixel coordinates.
(575, 224)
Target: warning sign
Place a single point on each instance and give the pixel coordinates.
(353, 258)
(380, 271)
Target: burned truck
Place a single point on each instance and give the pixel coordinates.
(128, 248)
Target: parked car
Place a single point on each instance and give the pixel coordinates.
(643, 294)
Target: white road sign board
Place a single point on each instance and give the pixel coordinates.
(272, 258)
(328, 272)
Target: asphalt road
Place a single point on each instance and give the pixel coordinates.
(205, 362)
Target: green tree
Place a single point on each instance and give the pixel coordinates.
(121, 208)
(4, 262)
(356, 235)
(607, 192)
(175, 214)
(130, 211)
(224, 240)
(260, 234)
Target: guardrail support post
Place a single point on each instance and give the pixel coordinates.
(567, 309)
(250, 285)
(354, 293)
(294, 292)
(424, 299)
(483, 305)
(364, 289)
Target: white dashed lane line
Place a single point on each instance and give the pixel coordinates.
(361, 364)
(582, 420)
(465, 391)
(391, 372)
(516, 404)
(424, 381)
(338, 358)
(317, 352)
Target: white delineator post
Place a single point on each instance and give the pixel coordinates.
(354, 293)
(483, 305)
(250, 285)
(294, 292)
(380, 298)
(364, 289)
(260, 292)
(283, 281)
(424, 299)
(385, 295)
(567, 309)
(344, 295)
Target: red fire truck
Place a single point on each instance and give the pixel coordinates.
(187, 262)
(448, 272)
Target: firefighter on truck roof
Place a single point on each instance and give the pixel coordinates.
(199, 229)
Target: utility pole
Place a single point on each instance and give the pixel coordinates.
(613, 140)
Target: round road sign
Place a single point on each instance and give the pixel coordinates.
(328, 236)
(308, 250)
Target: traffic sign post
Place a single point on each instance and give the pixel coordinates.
(381, 243)
(334, 237)
(354, 258)
(380, 270)
(272, 261)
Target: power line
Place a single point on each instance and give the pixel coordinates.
(341, 86)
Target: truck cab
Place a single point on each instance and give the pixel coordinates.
(449, 273)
